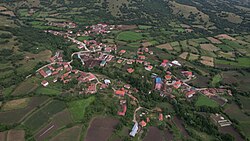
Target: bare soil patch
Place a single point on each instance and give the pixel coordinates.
(213, 40)
(101, 129)
(16, 135)
(2, 8)
(166, 46)
(184, 55)
(225, 36)
(230, 130)
(208, 61)
(209, 47)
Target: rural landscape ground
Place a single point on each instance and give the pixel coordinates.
(124, 70)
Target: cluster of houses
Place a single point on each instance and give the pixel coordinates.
(100, 28)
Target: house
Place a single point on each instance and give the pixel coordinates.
(120, 92)
(130, 70)
(149, 68)
(143, 123)
(134, 130)
(188, 74)
(139, 61)
(177, 84)
(43, 73)
(45, 83)
(160, 117)
(124, 107)
(119, 61)
(122, 52)
(164, 63)
(103, 63)
(168, 77)
(51, 67)
(91, 77)
(190, 94)
(176, 63)
(107, 81)
(141, 57)
(127, 86)
(91, 88)
(158, 83)
(148, 120)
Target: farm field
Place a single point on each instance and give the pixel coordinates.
(101, 129)
(58, 121)
(240, 62)
(69, 134)
(153, 134)
(77, 108)
(14, 116)
(15, 104)
(205, 101)
(129, 36)
(40, 117)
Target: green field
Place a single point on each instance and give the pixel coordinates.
(47, 91)
(83, 38)
(240, 62)
(144, 27)
(216, 79)
(129, 36)
(205, 101)
(40, 117)
(77, 108)
(225, 48)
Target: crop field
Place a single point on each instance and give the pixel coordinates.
(225, 36)
(214, 40)
(205, 101)
(166, 46)
(240, 62)
(14, 116)
(15, 104)
(83, 38)
(193, 57)
(26, 86)
(69, 134)
(153, 134)
(209, 47)
(245, 102)
(216, 79)
(58, 121)
(39, 118)
(184, 55)
(16, 135)
(230, 130)
(208, 61)
(77, 108)
(129, 36)
(200, 81)
(101, 129)
(47, 91)
(179, 124)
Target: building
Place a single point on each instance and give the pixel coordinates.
(143, 123)
(149, 68)
(124, 109)
(120, 92)
(103, 63)
(107, 81)
(168, 77)
(134, 130)
(130, 70)
(190, 94)
(160, 117)
(45, 74)
(158, 83)
(122, 52)
(176, 63)
(45, 83)
(188, 74)
(177, 84)
(164, 63)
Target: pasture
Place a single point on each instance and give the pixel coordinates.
(153, 134)
(166, 46)
(209, 47)
(129, 36)
(205, 101)
(77, 108)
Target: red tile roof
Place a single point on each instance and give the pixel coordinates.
(160, 117)
(43, 73)
(143, 123)
(130, 70)
(124, 111)
(120, 92)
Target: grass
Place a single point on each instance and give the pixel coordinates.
(216, 79)
(174, 44)
(77, 108)
(16, 104)
(47, 91)
(26, 87)
(205, 101)
(129, 36)
(39, 118)
(225, 48)
(240, 62)
(144, 27)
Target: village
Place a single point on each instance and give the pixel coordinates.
(96, 54)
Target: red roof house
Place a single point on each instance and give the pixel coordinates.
(45, 83)
(120, 92)
(124, 107)
(143, 123)
(43, 73)
(168, 77)
(160, 117)
(177, 84)
(190, 94)
(130, 70)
